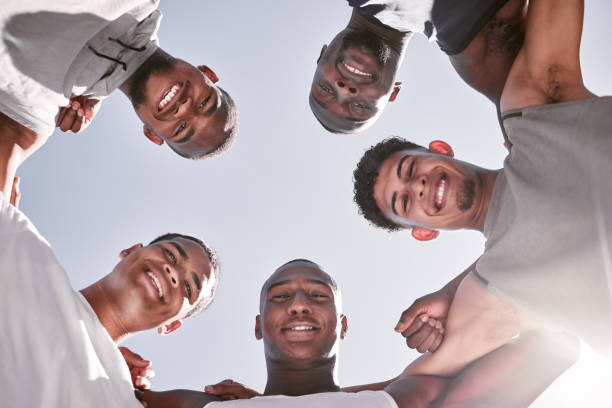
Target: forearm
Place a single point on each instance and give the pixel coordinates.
(371, 387)
(177, 399)
(513, 375)
(451, 287)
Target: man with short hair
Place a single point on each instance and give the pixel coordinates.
(355, 75)
(301, 324)
(59, 346)
(546, 215)
(58, 60)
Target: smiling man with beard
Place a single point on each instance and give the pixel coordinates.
(301, 325)
(546, 215)
(59, 61)
(59, 346)
(355, 75)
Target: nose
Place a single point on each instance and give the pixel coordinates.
(184, 106)
(418, 185)
(299, 305)
(345, 88)
(173, 275)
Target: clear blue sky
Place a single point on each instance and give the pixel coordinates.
(283, 191)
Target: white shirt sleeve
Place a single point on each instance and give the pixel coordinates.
(363, 399)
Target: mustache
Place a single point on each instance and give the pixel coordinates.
(372, 43)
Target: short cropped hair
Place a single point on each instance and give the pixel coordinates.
(366, 174)
(203, 302)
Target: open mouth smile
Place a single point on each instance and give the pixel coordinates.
(354, 70)
(156, 283)
(169, 96)
(439, 193)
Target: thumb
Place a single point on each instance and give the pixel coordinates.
(409, 315)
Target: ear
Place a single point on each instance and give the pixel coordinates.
(322, 51)
(209, 73)
(148, 132)
(424, 234)
(344, 323)
(440, 147)
(258, 335)
(396, 88)
(169, 328)
(128, 251)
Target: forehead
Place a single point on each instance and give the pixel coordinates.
(300, 272)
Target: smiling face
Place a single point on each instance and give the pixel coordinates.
(415, 187)
(353, 81)
(300, 321)
(159, 283)
(181, 105)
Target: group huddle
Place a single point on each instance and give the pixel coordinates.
(497, 335)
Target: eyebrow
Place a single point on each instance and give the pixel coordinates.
(310, 280)
(399, 166)
(180, 250)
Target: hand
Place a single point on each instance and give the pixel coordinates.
(15, 193)
(140, 369)
(229, 390)
(78, 114)
(422, 324)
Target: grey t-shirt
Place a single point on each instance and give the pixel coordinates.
(549, 222)
(453, 24)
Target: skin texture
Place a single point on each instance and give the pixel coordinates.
(418, 184)
(127, 301)
(347, 101)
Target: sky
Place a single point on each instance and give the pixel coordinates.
(283, 191)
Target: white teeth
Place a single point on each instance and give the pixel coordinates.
(301, 328)
(440, 192)
(356, 71)
(156, 283)
(168, 96)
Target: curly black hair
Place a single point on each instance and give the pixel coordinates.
(365, 175)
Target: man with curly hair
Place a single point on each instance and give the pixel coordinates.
(355, 75)
(546, 215)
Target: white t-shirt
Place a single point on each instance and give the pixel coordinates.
(51, 50)
(363, 399)
(54, 350)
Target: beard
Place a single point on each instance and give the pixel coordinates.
(373, 45)
(465, 195)
(159, 62)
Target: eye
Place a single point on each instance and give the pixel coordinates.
(319, 295)
(411, 168)
(281, 296)
(201, 106)
(180, 128)
(327, 89)
(405, 203)
(170, 256)
(188, 289)
(360, 105)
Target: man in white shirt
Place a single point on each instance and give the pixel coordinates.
(59, 59)
(59, 346)
(301, 325)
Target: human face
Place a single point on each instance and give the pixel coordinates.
(182, 106)
(353, 81)
(418, 188)
(154, 284)
(300, 321)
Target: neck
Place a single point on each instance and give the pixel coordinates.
(396, 39)
(294, 381)
(16, 143)
(100, 303)
(488, 178)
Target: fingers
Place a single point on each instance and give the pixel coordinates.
(77, 115)
(141, 378)
(15, 193)
(408, 319)
(428, 335)
(229, 390)
(132, 359)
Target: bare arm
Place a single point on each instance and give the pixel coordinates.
(478, 322)
(175, 399)
(547, 68)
